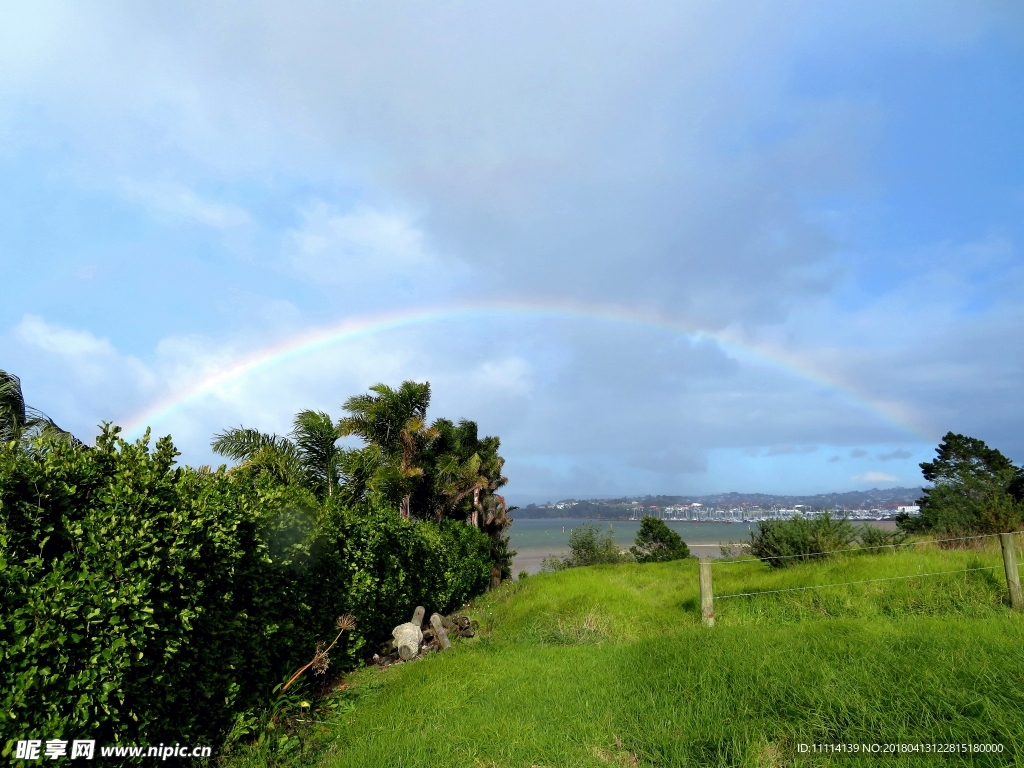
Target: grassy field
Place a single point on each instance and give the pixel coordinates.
(609, 665)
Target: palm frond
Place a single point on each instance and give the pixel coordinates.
(316, 437)
(23, 423)
(242, 443)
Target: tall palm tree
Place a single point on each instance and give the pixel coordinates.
(392, 423)
(495, 523)
(380, 419)
(316, 438)
(467, 471)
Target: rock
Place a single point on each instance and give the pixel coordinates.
(408, 640)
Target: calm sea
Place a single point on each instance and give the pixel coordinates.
(537, 539)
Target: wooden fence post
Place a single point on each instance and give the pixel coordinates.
(707, 595)
(1010, 567)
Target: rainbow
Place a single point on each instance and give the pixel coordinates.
(318, 339)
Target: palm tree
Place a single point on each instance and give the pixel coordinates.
(467, 471)
(494, 523)
(445, 470)
(380, 419)
(316, 439)
(13, 412)
(309, 457)
(22, 424)
(392, 422)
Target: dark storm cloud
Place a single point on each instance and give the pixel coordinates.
(900, 454)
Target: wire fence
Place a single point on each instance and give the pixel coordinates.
(808, 555)
(1009, 564)
(848, 583)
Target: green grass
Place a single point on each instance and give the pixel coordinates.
(609, 665)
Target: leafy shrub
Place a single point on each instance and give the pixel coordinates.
(588, 545)
(780, 543)
(142, 603)
(657, 543)
(385, 566)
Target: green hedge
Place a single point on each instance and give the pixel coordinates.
(144, 603)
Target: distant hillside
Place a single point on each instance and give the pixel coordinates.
(876, 498)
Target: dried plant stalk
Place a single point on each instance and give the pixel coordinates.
(320, 659)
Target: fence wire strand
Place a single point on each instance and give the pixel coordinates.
(848, 583)
(856, 549)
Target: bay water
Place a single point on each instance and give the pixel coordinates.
(536, 539)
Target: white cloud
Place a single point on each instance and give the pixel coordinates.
(363, 240)
(60, 340)
(93, 361)
(367, 249)
(77, 378)
(179, 200)
(782, 450)
(602, 154)
(509, 377)
(81, 380)
(874, 477)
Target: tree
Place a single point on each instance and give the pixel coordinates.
(495, 521)
(309, 457)
(438, 471)
(392, 422)
(444, 470)
(316, 439)
(22, 424)
(13, 412)
(465, 471)
(974, 491)
(657, 543)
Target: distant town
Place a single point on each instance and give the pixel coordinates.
(876, 504)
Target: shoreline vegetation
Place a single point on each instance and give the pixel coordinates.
(537, 539)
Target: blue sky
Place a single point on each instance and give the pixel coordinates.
(832, 197)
